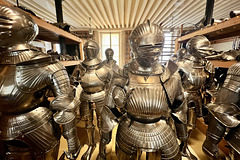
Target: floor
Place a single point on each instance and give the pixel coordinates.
(195, 144)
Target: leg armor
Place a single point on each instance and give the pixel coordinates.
(215, 133)
(105, 139)
(88, 118)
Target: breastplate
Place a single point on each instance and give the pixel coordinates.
(12, 97)
(195, 79)
(90, 82)
(147, 98)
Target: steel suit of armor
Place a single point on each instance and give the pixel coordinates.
(150, 95)
(29, 123)
(197, 75)
(224, 116)
(93, 79)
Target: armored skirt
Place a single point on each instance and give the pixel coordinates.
(151, 137)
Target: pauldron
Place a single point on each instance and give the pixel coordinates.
(233, 78)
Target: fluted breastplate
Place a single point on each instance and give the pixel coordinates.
(12, 97)
(195, 79)
(91, 83)
(147, 98)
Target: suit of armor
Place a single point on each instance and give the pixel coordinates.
(29, 123)
(224, 116)
(150, 96)
(94, 76)
(196, 75)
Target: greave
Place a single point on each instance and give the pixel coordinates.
(215, 133)
(105, 139)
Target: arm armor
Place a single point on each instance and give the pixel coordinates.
(65, 105)
(115, 97)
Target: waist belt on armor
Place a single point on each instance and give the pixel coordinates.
(145, 120)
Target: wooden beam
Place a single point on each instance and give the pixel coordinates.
(176, 12)
(85, 6)
(110, 12)
(167, 11)
(103, 13)
(223, 64)
(159, 10)
(146, 11)
(97, 12)
(128, 7)
(140, 11)
(154, 8)
(121, 12)
(134, 11)
(116, 13)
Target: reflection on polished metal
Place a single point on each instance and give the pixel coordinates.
(225, 114)
(148, 96)
(29, 123)
(94, 77)
(197, 77)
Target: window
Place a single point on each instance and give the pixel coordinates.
(168, 48)
(110, 40)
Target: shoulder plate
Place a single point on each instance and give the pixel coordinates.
(209, 67)
(170, 69)
(233, 78)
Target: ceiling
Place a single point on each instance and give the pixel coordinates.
(126, 14)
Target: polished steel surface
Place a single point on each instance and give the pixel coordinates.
(150, 91)
(94, 78)
(26, 77)
(226, 111)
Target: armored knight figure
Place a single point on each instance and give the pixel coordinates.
(144, 97)
(110, 62)
(224, 116)
(93, 79)
(29, 123)
(197, 77)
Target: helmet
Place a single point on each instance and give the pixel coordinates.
(181, 53)
(91, 49)
(109, 53)
(199, 46)
(146, 40)
(16, 27)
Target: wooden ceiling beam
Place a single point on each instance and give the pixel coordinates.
(134, 11)
(193, 9)
(103, 12)
(121, 12)
(159, 11)
(146, 11)
(97, 12)
(140, 11)
(179, 10)
(166, 11)
(154, 8)
(128, 6)
(109, 12)
(67, 8)
(88, 9)
(116, 13)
